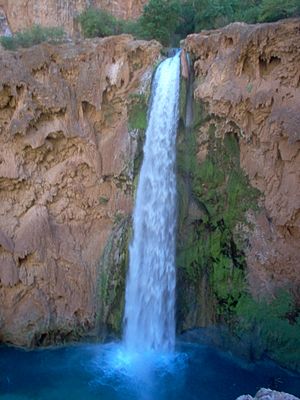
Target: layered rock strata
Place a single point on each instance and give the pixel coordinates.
(66, 179)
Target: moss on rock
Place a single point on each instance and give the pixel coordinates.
(221, 193)
(278, 324)
(137, 112)
(211, 243)
(112, 278)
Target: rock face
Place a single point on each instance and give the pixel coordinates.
(66, 176)
(248, 75)
(129, 9)
(4, 28)
(268, 394)
(23, 13)
(239, 186)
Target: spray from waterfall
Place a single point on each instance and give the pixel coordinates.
(150, 290)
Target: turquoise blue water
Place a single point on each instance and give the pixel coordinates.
(107, 372)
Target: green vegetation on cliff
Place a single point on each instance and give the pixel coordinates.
(168, 21)
(222, 194)
(111, 280)
(215, 197)
(210, 14)
(35, 35)
(278, 324)
(137, 112)
(159, 20)
(99, 23)
(137, 122)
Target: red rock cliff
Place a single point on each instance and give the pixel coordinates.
(66, 175)
(249, 76)
(21, 14)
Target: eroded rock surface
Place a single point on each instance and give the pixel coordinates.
(66, 178)
(4, 27)
(249, 77)
(128, 9)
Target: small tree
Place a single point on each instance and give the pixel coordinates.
(273, 10)
(160, 19)
(31, 36)
(98, 23)
(211, 14)
(187, 18)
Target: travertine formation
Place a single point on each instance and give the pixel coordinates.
(24, 13)
(249, 76)
(66, 175)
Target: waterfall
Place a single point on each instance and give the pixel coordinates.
(150, 291)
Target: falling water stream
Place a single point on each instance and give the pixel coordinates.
(150, 291)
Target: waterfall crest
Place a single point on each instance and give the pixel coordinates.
(150, 290)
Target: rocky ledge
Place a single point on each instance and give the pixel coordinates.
(268, 394)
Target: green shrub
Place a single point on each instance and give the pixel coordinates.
(186, 24)
(273, 10)
(8, 42)
(133, 28)
(137, 112)
(32, 36)
(99, 23)
(169, 20)
(196, 15)
(214, 13)
(159, 20)
(247, 11)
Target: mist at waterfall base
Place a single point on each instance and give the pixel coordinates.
(109, 372)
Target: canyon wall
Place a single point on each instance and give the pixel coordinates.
(22, 14)
(240, 236)
(129, 9)
(249, 75)
(72, 119)
(70, 122)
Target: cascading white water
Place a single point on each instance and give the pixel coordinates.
(150, 290)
